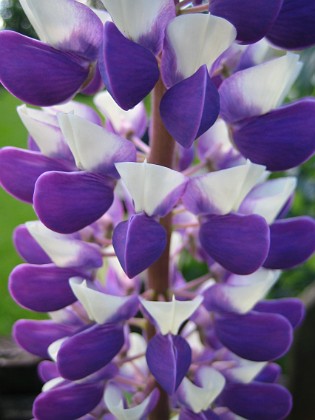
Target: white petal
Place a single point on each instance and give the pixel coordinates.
(215, 143)
(133, 18)
(255, 174)
(258, 89)
(114, 403)
(63, 250)
(269, 198)
(54, 348)
(192, 336)
(243, 292)
(43, 128)
(52, 383)
(137, 18)
(246, 371)
(197, 398)
(91, 145)
(200, 398)
(40, 16)
(222, 191)
(137, 345)
(148, 184)
(102, 15)
(99, 306)
(113, 263)
(170, 315)
(198, 39)
(123, 122)
(176, 244)
(76, 108)
(59, 22)
(256, 53)
(212, 380)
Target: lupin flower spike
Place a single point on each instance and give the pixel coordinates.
(124, 204)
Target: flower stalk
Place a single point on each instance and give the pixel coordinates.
(162, 153)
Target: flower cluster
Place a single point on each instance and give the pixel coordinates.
(129, 337)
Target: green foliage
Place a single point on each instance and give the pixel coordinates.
(191, 268)
(14, 18)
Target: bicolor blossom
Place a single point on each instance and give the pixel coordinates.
(54, 69)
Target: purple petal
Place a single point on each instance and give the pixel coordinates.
(47, 370)
(66, 250)
(170, 201)
(95, 85)
(244, 95)
(168, 358)
(269, 374)
(292, 309)
(138, 243)
(154, 398)
(37, 73)
(106, 373)
(255, 336)
(258, 401)
(193, 41)
(89, 350)
(32, 145)
(28, 248)
(274, 139)
(19, 170)
(36, 336)
(129, 70)
(239, 243)
(286, 208)
(254, 54)
(251, 19)
(68, 402)
(239, 294)
(185, 157)
(269, 199)
(59, 196)
(190, 107)
(42, 288)
(186, 414)
(292, 242)
(126, 311)
(294, 27)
